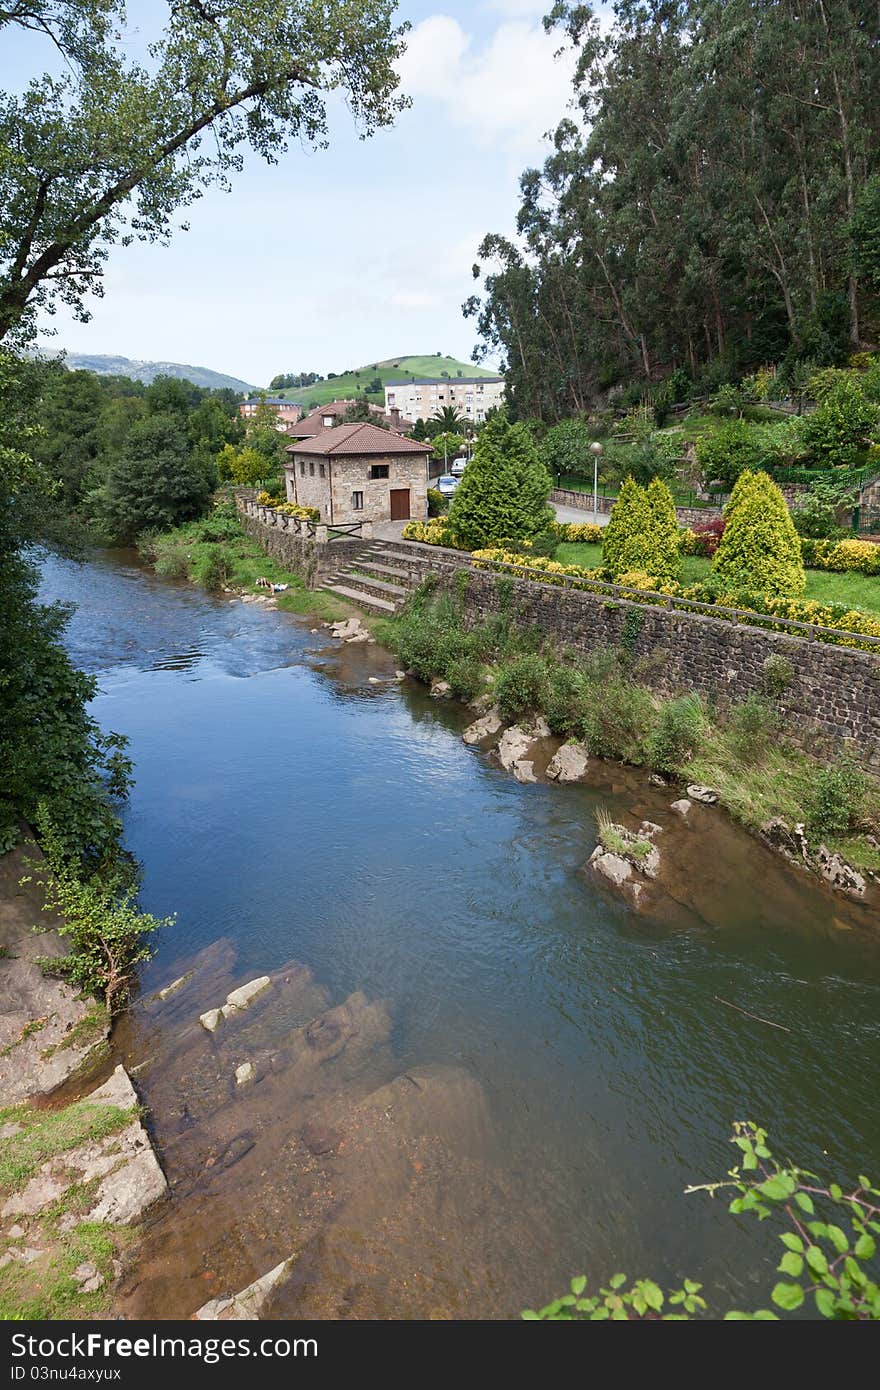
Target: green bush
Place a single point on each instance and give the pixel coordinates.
(729, 451)
(778, 674)
(465, 676)
(752, 728)
(437, 503)
(642, 533)
(678, 734)
(619, 721)
(837, 799)
(838, 432)
(210, 569)
(628, 520)
(521, 686)
(760, 548)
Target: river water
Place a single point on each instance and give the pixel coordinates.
(525, 1074)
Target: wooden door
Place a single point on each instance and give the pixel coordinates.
(400, 504)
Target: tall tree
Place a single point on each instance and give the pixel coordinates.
(111, 150)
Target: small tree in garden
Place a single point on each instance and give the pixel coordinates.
(839, 430)
(642, 532)
(760, 549)
(662, 540)
(242, 466)
(503, 493)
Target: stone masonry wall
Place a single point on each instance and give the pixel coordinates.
(833, 696)
(302, 555)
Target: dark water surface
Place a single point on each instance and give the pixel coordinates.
(570, 1065)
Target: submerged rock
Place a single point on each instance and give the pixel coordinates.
(482, 728)
(248, 1304)
(237, 1001)
(569, 763)
(682, 807)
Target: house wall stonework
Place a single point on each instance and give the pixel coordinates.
(346, 474)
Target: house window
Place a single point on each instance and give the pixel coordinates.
(357, 501)
(302, 470)
(379, 470)
(323, 470)
(328, 421)
(311, 470)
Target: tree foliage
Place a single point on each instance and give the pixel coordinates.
(642, 532)
(112, 149)
(829, 1240)
(155, 483)
(503, 493)
(760, 549)
(708, 205)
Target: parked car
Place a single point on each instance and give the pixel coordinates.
(447, 484)
(458, 467)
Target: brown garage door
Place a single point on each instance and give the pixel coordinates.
(400, 504)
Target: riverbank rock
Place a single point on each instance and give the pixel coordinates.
(569, 763)
(249, 1303)
(524, 771)
(791, 841)
(513, 745)
(707, 795)
(484, 727)
(131, 1180)
(441, 690)
(344, 631)
(626, 860)
(842, 876)
(48, 1033)
(682, 807)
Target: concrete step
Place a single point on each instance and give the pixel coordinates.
(380, 587)
(380, 605)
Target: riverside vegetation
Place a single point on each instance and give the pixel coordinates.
(604, 702)
(830, 1249)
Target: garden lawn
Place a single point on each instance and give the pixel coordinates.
(853, 590)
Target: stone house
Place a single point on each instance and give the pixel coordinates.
(359, 473)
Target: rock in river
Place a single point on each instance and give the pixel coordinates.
(569, 764)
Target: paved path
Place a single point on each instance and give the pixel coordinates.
(578, 515)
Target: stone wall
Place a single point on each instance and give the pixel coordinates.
(687, 516)
(312, 560)
(833, 695)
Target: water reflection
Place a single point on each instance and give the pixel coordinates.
(581, 1069)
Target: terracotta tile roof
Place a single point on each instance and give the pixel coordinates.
(358, 439)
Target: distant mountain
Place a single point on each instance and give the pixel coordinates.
(146, 371)
(358, 381)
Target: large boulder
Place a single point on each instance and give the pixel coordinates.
(483, 727)
(569, 763)
(513, 745)
(249, 1303)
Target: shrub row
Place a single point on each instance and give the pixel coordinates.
(711, 593)
(862, 557)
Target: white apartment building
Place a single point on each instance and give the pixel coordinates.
(472, 396)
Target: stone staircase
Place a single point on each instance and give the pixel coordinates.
(383, 575)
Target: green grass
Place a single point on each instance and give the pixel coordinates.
(355, 382)
(183, 554)
(46, 1289)
(853, 590)
(47, 1133)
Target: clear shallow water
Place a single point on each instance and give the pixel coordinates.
(287, 806)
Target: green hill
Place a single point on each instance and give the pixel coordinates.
(356, 382)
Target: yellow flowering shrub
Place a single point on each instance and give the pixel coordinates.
(791, 609)
(851, 554)
(435, 531)
(301, 513)
(269, 499)
(577, 531)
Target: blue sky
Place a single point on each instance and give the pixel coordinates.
(344, 256)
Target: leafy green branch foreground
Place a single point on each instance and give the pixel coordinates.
(829, 1241)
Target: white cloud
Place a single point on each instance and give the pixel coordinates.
(508, 92)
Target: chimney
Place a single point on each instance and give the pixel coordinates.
(394, 412)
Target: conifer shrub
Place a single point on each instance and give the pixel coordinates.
(503, 493)
(642, 532)
(628, 520)
(760, 549)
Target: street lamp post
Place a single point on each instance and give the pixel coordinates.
(596, 451)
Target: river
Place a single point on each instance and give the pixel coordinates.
(572, 1065)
